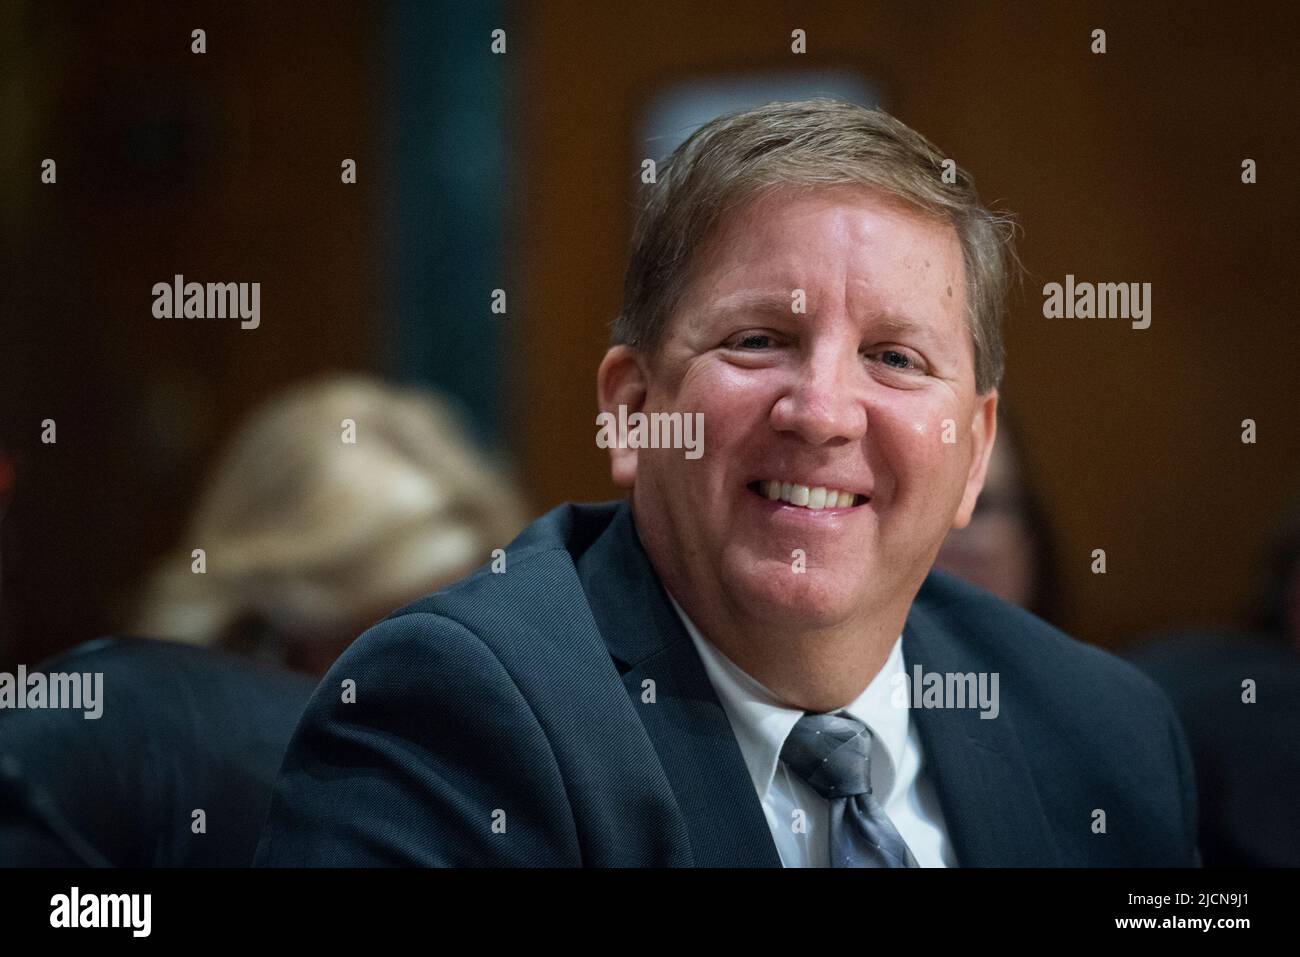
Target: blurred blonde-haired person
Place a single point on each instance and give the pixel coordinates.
(337, 502)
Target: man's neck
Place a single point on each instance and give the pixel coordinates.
(815, 670)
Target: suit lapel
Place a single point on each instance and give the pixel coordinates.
(989, 800)
(685, 720)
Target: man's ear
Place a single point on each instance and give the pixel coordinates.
(621, 380)
(983, 431)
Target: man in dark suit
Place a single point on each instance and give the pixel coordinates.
(749, 661)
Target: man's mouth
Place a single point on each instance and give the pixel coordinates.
(804, 496)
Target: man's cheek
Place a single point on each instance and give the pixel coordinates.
(921, 456)
(921, 473)
(724, 433)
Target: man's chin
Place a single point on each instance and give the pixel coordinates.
(810, 598)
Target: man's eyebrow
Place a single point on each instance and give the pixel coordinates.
(894, 324)
(782, 304)
(770, 303)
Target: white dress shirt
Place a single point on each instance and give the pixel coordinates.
(898, 778)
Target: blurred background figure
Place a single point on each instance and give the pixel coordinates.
(339, 501)
(1238, 696)
(1008, 547)
(183, 729)
(1278, 610)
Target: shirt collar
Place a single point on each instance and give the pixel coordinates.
(761, 722)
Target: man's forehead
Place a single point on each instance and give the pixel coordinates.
(755, 294)
(751, 213)
(856, 229)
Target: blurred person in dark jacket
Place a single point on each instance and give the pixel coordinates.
(308, 539)
(1238, 696)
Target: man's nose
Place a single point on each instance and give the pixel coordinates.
(825, 403)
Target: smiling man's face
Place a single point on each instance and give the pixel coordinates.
(852, 395)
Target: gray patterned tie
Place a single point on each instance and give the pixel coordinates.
(832, 752)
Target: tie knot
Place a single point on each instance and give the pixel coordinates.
(832, 752)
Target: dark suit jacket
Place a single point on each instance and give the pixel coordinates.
(522, 693)
(1246, 756)
(182, 728)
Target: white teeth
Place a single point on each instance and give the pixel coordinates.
(815, 498)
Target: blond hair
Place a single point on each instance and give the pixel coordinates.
(304, 532)
(817, 142)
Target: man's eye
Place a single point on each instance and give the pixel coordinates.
(896, 359)
(755, 340)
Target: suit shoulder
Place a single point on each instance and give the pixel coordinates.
(518, 600)
(1013, 640)
(541, 559)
